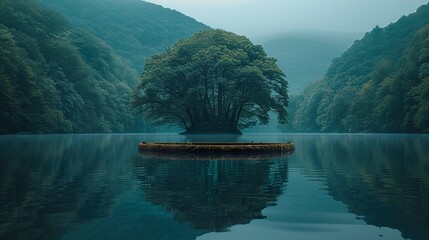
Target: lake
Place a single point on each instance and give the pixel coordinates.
(334, 186)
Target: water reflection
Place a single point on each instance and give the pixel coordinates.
(48, 183)
(213, 195)
(383, 179)
(99, 187)
(215, 156)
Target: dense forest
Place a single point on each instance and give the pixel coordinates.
(380, 84)
(56, 78)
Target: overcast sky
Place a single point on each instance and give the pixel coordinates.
(259, 18)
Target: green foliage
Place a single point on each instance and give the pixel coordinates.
(214, 81)
(379, 85)
(54, 78)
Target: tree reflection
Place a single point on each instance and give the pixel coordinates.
(383, 178)
(50, 182)
(213, 194)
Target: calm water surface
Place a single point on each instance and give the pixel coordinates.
(100, 187)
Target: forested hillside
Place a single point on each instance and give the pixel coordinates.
(56, 78)
(134, 29)
(381, 84)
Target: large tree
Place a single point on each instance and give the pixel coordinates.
(214, 82)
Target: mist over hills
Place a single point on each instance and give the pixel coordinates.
(70, 66)
(306, 56)
(135, 29)
(380, 84)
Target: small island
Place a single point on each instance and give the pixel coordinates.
(228, 148)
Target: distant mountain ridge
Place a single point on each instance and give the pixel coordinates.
(380, 84)
(135, 29)
(306, 56)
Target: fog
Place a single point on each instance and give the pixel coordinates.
(259, 19)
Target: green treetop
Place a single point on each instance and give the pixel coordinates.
(214, 82)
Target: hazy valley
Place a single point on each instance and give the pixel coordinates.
(80, 61)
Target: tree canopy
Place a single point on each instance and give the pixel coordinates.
(215, 81)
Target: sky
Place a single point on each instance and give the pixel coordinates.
(261, 18)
